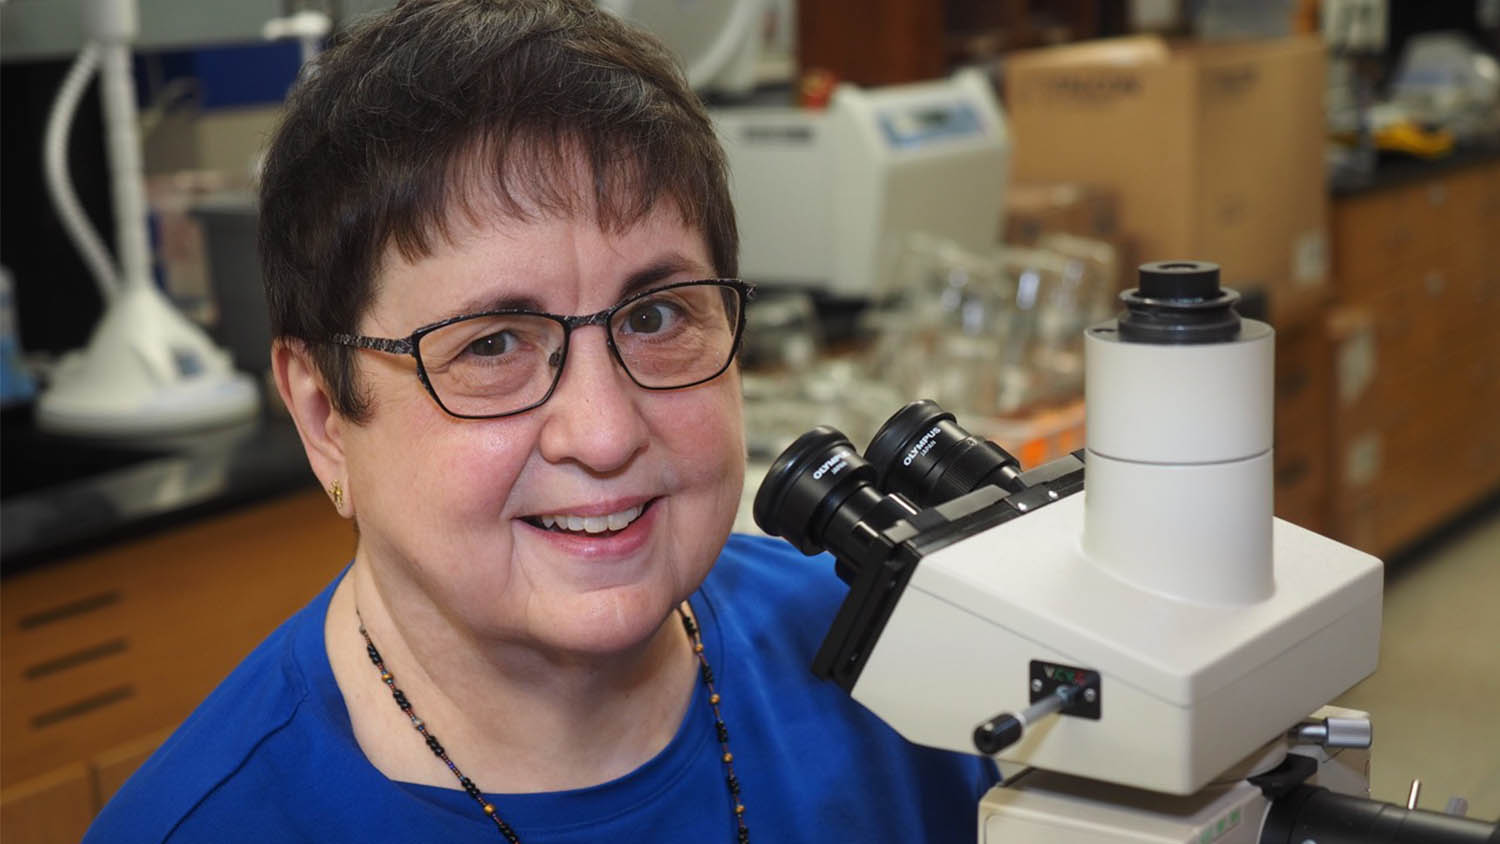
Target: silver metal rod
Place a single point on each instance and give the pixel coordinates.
(1047, 705)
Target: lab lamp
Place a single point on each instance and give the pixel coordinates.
(147, 371)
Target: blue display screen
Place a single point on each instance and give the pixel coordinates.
(912, 127)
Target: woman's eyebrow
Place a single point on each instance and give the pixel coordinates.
(659, 270)
(503, 302)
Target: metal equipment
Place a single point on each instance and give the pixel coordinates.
(1153, 645)
(825, 196)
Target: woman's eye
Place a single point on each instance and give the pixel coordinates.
(649, 318)
(491, 345)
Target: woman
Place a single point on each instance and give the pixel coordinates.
(499, 252)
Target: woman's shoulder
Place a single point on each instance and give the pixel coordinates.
(226, 739)
(771, 597)
(773, 569)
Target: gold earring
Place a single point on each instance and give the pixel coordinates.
(336, 492)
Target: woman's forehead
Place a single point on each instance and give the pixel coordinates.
(552, 263)
(533, 180)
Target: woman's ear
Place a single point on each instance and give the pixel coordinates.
(321, 427)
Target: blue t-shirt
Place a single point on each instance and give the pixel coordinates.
(271, 754)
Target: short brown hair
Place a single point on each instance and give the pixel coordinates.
(384, 132)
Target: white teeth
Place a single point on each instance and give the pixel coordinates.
(592, 524)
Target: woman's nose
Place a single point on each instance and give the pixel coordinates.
(593, 417)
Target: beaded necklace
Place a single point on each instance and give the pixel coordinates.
(704, 672)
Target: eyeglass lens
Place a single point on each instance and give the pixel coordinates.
(502, 363)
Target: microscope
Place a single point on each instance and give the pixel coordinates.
(1148, 659)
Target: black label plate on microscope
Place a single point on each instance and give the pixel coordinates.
(1047, 677)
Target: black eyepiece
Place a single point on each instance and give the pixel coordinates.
(924, 455)
(820, 495)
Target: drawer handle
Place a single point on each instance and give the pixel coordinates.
(76, 658)
(1292, 472)
(83, 707)
(70, 609)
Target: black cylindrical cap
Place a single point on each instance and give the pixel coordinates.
(1179, 280)
(1179, 302)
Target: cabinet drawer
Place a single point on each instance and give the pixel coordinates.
(1388, 368)
(1410, 503)
(1390, 235)
(1303, 378)
(1417, 443)
(127, 640)
(1301, 484)
(54, 808)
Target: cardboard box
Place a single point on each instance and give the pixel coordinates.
(1214, 151)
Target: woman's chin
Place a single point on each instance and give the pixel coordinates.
(609, 622)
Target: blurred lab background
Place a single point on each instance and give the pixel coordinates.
(934, 197)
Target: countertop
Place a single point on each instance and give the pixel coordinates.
(1393, 170)
(64, 495)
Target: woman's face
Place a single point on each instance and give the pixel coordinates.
(454, 507)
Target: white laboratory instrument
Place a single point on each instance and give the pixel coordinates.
(826, 198)
(1162, 638)
(717, 41)
(147, 370)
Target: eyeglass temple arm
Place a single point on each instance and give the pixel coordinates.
(379, 344)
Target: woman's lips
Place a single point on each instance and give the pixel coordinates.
(557, 529)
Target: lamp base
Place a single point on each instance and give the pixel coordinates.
(147, 371)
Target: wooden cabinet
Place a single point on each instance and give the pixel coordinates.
(105, 653)
(1415, 346)
(890, 42)
(54, 808)
(1301, 463)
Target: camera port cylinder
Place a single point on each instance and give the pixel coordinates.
(1178, 432)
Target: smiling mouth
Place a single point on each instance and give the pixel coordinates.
(589, 525)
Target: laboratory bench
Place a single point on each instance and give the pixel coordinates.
(62, 495)
(135, 579)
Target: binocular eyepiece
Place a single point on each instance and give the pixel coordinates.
(923, 454)
(820, 494)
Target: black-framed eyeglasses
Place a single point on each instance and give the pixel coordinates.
(500, 363)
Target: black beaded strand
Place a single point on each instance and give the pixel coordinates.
(722, 731)
(704, 672)
(432, 742)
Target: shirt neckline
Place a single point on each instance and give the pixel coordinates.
(543, 812)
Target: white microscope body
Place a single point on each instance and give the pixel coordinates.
(1195, 629)
(1213, 626)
